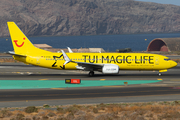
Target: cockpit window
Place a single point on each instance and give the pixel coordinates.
(167, 59)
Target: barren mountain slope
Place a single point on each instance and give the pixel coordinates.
(88, 17)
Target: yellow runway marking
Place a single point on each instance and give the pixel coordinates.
(111, 93)
(92, 93)
(51, 95)
(159, 85)
(43, 79)
(72, 94)
(58, 88)
(113, 86)
(102, 79)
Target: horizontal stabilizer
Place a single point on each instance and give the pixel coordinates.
(13, 53)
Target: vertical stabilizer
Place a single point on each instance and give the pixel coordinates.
(21, 43)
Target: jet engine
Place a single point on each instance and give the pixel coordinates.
(110, 69)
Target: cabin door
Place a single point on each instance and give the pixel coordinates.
(157, 60)
(38, 60)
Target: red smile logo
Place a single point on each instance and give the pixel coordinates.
(15, 41)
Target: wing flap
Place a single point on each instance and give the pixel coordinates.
(89, 66)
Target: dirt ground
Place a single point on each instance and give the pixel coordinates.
(123, 111)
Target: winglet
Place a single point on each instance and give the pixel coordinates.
(70, 51)
(66, 58)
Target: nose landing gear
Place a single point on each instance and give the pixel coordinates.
(159, 74)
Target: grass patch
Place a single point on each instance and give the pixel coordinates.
(31, 109)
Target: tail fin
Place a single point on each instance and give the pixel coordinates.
(21, 43)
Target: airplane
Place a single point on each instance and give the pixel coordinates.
(107, 63)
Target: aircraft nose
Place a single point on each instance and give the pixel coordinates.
(173, 64)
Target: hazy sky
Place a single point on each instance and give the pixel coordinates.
(175, 2)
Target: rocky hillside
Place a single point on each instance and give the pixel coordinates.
(88, 17)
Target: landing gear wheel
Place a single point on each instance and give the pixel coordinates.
(91, 73)
(159, 74)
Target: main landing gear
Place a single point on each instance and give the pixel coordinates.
(91, 73)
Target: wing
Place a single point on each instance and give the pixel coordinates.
(88, 66)
(82, 65)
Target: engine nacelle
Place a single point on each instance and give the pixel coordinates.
(110, 69)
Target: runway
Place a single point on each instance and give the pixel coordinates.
(166, 87)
